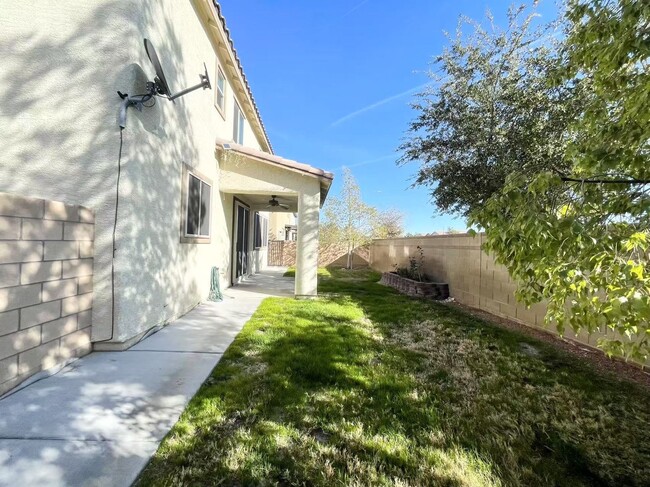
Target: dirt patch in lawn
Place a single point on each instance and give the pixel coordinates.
(623, 370)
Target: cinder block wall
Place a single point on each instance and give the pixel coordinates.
(46, 285)
(473, 276)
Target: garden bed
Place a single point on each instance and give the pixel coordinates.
(433, 290)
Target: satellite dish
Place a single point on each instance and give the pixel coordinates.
(157, 87)
(160, 85)
(160, 82)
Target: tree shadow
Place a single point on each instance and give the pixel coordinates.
(541, 393)
(61, 142)
(62, 67)
(315, 398)
(401, 390)
(107, 431)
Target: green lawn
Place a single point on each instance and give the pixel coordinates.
(322, 272)
(369, 387)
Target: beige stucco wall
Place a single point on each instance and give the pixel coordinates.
(473, 276)
(277, 224)
(62, 65)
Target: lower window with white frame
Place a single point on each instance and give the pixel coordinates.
(196, 207)
(261, 231)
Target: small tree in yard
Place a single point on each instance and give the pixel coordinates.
(490, 111)
(563, 174)
(348, 220)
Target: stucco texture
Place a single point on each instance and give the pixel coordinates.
(63, 63)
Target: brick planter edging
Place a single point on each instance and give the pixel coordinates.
(433, 290)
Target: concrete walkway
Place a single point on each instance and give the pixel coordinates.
(98, 421)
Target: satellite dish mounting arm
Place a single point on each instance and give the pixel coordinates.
(205, 84)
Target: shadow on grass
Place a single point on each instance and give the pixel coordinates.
(370, 387)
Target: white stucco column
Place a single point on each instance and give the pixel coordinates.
(307, 244)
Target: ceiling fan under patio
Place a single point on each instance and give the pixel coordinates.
(273, 203)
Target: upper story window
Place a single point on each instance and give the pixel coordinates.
(291, 233)
(220, 92)
(238, 125)
(197, 206)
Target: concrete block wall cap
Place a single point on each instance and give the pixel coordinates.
(426, 237)
(86, 215)
(57, 210)
(15, 205)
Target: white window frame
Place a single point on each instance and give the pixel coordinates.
(186, 237)
(220, 108)
(239, 124)
(263, 230)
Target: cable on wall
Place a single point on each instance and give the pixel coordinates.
(113, 249)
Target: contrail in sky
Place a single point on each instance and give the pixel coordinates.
(371, 161)
(355, 7)
(377, 104)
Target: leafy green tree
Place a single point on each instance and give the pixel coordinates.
(490, 111)
(577, 236)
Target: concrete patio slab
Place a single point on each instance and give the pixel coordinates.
(270, 283)
(98, 421)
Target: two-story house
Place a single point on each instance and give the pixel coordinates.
(183, 188)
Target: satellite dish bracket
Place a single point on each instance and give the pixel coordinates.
(205, 84)
(135, 101)
(157, 87)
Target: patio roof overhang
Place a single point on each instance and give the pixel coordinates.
(254, 176)
(245, 170)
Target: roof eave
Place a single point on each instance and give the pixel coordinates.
(325, 177)
(221, 35)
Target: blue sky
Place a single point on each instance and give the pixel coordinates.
(333, 81)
